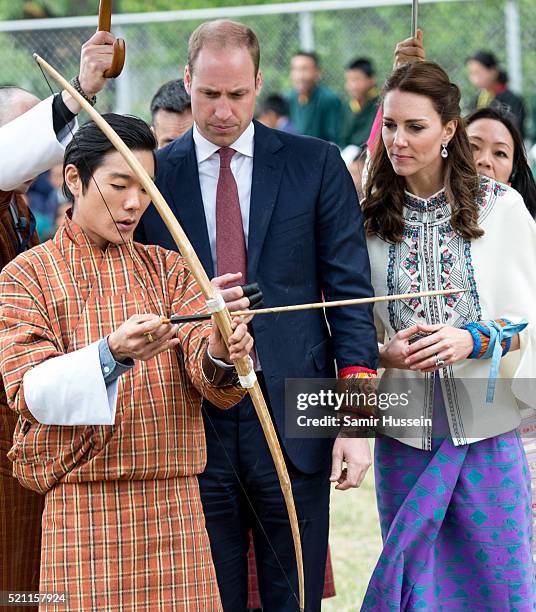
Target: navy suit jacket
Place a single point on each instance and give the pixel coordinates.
(305, 240)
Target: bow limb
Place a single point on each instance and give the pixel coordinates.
(223, 318)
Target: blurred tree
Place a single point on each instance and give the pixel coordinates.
(32, 9)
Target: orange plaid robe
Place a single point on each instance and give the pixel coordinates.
(20, 509)
(123, 526)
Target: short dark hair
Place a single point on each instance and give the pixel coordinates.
(521, 178)
(276, 104)
(89, 146)
(220, 34)
(310, 54)
(364, 64)
(486, 58)
(171, 96)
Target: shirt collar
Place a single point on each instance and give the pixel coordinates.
(205, 149)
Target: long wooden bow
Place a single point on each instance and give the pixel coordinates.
(223, 318)
(105, 25)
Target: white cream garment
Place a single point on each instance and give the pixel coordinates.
(70, 390)
(504, 264)
(29, 145)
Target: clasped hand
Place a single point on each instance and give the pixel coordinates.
(440, 342)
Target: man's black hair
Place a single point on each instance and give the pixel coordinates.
(89, 146)
(486, 58)
(311, 54)
(276, 104)
(364, 64)
(171, 96)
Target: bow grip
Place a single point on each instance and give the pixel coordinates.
(105, 25)
(118, 60)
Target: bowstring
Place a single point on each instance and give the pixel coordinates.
(251, 506)
(220, 441)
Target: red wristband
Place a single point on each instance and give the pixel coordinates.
(357, 371)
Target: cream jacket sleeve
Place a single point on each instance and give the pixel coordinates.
(29, 145)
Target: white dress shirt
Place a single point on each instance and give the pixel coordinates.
(208, 163)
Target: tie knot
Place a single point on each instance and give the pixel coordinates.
(226, 153)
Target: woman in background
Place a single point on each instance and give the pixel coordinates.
(499, 152)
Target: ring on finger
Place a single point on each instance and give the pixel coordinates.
(439, 362)
(149, 336)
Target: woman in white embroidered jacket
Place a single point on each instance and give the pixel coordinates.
(453, 492)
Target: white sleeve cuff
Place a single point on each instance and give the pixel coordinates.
(70, 390)
(220, 363)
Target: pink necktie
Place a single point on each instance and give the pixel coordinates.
(231, 253)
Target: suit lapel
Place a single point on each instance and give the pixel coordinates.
(183, 184)
(268, 162)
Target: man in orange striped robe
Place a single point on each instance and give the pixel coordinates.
(33, 136)
(109, 398)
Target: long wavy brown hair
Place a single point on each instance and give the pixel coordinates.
(384, 195)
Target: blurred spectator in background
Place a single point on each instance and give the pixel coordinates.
(364, 98)
(274, 113)
(486, 75)
(499, 152)
(60, 213)
(57, 201)
(37, 196)
(171, 112)
(44, 196)
(315, 110)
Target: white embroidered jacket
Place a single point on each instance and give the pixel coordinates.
(499, 271)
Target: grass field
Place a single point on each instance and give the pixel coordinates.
(355, 544)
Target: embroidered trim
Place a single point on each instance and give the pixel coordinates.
(431, 246)
(436, 202)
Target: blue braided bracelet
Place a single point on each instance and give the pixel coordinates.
(496, 334)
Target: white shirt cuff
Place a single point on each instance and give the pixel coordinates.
(70, 390)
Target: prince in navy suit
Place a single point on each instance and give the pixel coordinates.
(284, 208)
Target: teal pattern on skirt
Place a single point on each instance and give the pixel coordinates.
(456, 525)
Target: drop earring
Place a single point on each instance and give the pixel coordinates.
(444, 152)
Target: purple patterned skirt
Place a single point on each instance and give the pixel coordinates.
(456, 527)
